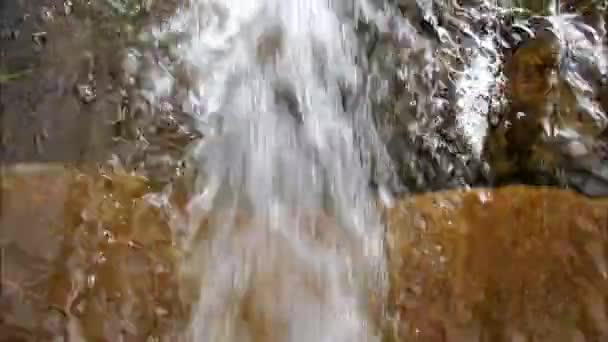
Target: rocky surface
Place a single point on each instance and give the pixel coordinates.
(553, 129)
(43, 117)
(546, 119)
(65, 95)
(512, 264)
(69, 97)
(84, 255)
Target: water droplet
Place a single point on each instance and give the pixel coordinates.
(134, 244)
(484, 196)
(101, 258)
(91, 279)
(160, 311)
(109, 236)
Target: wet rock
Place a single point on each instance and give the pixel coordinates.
(89, 246)
(516, 263)
(71, 102)
(511, 264)
(437, 162)
(54, 97)
(530, 72)
(85, 93)
(554, 117)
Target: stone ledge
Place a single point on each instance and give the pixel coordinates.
(513, 264)
(510, 264)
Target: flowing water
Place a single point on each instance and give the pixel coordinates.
(292, 242)
(297, 104)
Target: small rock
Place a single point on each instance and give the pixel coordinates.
(39, 38)
(577, 149)
(67, 7)
(86, 93)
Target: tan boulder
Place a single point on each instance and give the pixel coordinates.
(84, 254)
(514, 264)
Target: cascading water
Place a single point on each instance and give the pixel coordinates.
(283, 232)
(293, 242)
(281, 238)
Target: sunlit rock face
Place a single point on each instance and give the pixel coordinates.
(96, 255)
(513, 264)
(93, 256)
(84, 255)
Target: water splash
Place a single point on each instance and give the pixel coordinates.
(583, 68)
(284, 234)
(449, 68)
(284, 168)
(476, 89)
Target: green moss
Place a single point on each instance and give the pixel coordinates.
(129, 8)
(6, 77)
(542, 7)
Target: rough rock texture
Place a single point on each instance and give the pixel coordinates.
(513, 264)
(85, 256)
(554, 127)
(42, 116)
(64, 93)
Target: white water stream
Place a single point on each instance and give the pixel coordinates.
(284, 231)
(294, 242)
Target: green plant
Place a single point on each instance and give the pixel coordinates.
(6, 77)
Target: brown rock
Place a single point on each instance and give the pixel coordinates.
(530, 69)
(545, 107)
(89, 248)
(514, 264)
(86, 250)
